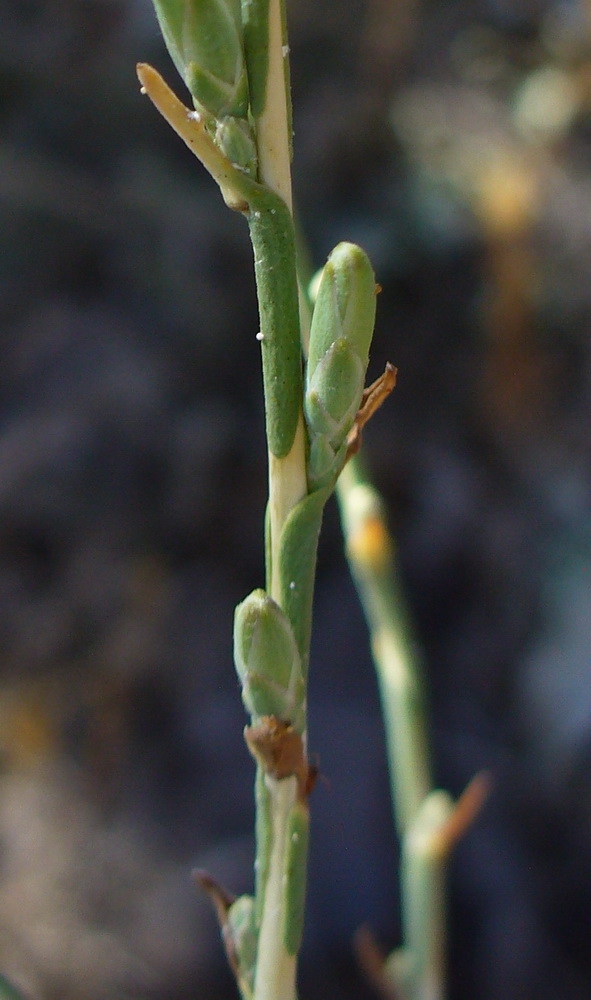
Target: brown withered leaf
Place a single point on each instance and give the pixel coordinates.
(372, 399)
(279, 749)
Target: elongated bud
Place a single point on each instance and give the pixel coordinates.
(340, 337)
(204, 38)
(267, 661)
(345, 304)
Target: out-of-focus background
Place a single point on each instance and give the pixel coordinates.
(453, 141)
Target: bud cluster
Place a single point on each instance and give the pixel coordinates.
(205, 41)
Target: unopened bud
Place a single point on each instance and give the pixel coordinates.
(234, 138)
(340, 337)
(345, 304)
(204, 38)
(267, 661)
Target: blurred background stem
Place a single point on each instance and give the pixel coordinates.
(370, 553)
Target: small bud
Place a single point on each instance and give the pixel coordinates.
(340, 337)
(267, 661)
(234, 138)
(204, 38)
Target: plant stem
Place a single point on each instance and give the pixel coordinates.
(287, 476)
(417, 970)
(273, 141)
(275, 977)
(276, 968)
(370, 553)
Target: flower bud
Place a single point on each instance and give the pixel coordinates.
(234, 138)
(340, 337)
(204, 38)
(267, 661)
(345, 305)
(334, 391)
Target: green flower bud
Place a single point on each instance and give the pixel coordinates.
(204, 38)
(340, 337)
(267, 661)
(345, 305)
(334, 391)
(235, 139)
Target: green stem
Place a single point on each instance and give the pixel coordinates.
(267, 205)
(369, 550)
(272, 125)
(417, 970)
(275, 977)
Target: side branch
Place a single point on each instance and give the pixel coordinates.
(190, 126)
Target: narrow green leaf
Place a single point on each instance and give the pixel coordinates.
(264, 839)
(255, 21)
(272, 234)
(297, 556)
(334, 391)
(296, 860)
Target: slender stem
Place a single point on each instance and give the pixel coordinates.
(287, 476)
(276, 969)
(424, 818)
(369, 551)
(273, 145)
(417, 971)
(370, 554)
